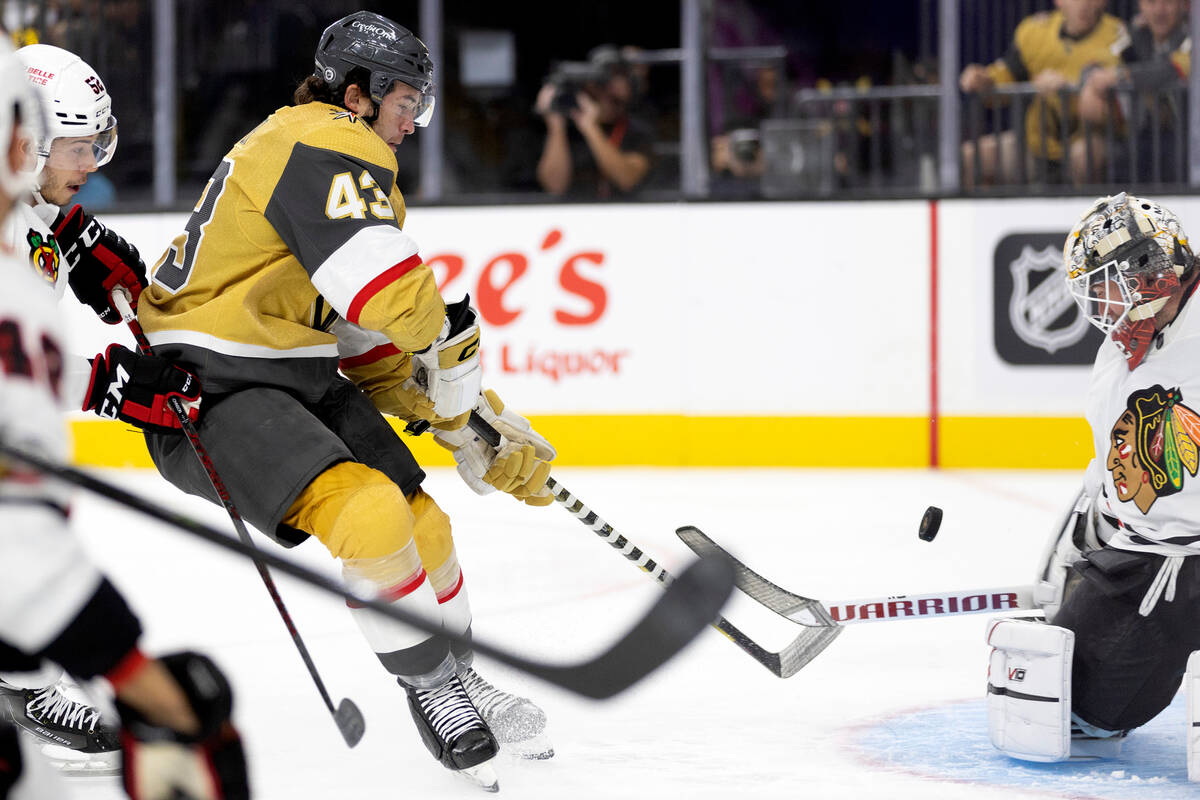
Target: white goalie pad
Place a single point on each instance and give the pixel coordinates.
(1191, 684)
(1029, 689)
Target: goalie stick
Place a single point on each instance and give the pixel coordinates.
(346, 716)
(689, 604)
(783, 663)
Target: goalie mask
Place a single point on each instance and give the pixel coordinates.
(389, 52)
(1124, 260)
(77, 106)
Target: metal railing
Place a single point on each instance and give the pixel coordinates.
(877, 142)
(1031, 143)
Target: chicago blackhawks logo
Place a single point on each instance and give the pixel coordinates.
(1152, 445)
(43, 254)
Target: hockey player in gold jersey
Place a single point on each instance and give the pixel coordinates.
(293, 264)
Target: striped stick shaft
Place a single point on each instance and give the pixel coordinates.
(593, 522)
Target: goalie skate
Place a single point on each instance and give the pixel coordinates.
(517, 723)
(454, 732)
(72, 735)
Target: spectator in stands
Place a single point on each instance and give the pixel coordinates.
(1156, 62)
(1051, 50)
(737, 160)
(736, 153)
(606, 151)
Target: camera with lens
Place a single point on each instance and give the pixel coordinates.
(744, 145)
(570, 78)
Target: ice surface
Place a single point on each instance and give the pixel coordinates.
(890, 710)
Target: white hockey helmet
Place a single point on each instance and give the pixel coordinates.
(76, 105)
(20, 116)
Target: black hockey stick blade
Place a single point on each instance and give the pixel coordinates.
(685, 608)
(819, 628)
(350, 722)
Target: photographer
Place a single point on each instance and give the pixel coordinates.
(607, 154)
(737, 161)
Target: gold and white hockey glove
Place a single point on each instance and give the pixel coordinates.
(519, 466)
(448, 371)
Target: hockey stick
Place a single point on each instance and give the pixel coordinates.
(680, 614)
(818, 613)
(784, 663)
(815, 615)
(346, 716)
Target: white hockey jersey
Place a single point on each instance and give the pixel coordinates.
(45, 576)
(27, 233)
(1146, 433)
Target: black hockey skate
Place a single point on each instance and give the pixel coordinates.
(517, 723)
(454, 732)
(72, 735)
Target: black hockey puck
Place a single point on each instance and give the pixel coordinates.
(930, 523)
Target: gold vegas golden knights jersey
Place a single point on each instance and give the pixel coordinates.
(296, 242)
(1040, 44)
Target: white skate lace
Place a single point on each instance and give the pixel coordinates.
(449, 710)
(487, 698)
(51, 705)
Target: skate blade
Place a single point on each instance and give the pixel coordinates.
(75, 764)
(537, 748)
(481, 775)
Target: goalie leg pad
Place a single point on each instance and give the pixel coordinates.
(1191, 682)
(1029, 689)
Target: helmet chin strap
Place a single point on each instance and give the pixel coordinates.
(1147, 310)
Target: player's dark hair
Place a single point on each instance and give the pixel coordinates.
(314, 89)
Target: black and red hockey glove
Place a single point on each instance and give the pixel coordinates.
(136, 388)
(164, 764)
(99, 261)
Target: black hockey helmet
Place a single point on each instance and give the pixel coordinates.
(389, 52)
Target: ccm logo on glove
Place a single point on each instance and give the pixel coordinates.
(99, 261)
(137, 389)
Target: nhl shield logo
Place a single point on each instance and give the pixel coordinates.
(1040, 308)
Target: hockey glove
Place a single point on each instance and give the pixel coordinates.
(447, 372)
(520, 466)
(99, 261)
(164, 764)
(136, 388)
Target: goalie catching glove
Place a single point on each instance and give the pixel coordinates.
(447, 372)
(137, 389)
(519, 466)
(99, 261)
(209, 764)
